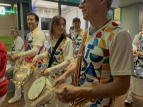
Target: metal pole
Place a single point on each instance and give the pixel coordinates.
(59, 7)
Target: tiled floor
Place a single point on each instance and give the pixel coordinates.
(119, 102)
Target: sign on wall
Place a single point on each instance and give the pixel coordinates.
(2, 10)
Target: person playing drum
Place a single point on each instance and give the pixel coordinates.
(76, 36)
(64, 52)
(106, 61)
(17, 46)
(34, 42)
(137, 46)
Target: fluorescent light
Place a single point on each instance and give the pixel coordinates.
(2, 4)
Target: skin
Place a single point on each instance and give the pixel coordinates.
(32, 24)
(77, 25)
(120, 84)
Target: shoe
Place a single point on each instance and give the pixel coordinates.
(14, 99)
(128, 100)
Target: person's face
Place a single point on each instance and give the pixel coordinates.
(13, 33)
(71, 29)
(60, 27)
(77, 24)
(89, 8)
(31, 22)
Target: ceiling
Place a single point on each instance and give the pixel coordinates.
(65, 8)
(123, 3)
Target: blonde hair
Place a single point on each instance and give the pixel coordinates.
(109, 3)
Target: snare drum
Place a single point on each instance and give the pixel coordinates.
(21, 75)
(39, 88)
(138, 72)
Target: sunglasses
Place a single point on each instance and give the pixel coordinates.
(83, 1)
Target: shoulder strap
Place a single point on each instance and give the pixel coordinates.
(53, 52)
(79, 60)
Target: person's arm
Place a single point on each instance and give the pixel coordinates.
(30, 53)
(136, 41)
(13, 52)
(68, 55)
(42, 56)
(38, 41)
(121, 65)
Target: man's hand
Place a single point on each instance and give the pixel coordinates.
(20, 61)
(67, 93)
(60, 80)
(15, 57)
(34, 60)
(45, 72)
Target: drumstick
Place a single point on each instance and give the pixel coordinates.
(40, 99)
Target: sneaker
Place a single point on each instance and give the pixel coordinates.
(128, 100)
(12, 100)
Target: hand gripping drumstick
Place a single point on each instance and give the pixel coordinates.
(42, 97)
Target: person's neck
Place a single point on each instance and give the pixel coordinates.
(99, 22)
(15, 38)
(32, 29)
(56, 36)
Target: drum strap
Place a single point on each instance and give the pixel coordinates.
(54, 50)
(80, 101)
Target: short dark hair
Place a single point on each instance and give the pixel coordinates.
(109, 3)
(71, 27)
(76, 19)
(36, 16)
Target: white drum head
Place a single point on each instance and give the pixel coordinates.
(36, 88)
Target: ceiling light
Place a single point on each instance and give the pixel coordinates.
(2, 4)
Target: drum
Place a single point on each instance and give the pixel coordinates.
(138, 72)
(140, 58)
(21, 75)
(39, 88)
(136, 85)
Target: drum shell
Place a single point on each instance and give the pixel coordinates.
(21, 75)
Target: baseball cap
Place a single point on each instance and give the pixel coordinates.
(76, 19)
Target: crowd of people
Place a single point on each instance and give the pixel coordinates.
(101, 57)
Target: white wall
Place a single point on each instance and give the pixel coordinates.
(75, 12)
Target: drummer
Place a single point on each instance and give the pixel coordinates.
(76, 35)
(105, 71)
(34, 42)
(17, 46)
(137, 46)
(64, 52)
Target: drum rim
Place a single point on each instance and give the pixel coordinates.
(41, 90)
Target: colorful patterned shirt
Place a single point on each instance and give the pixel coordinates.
(105, 57)
(77, 39)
